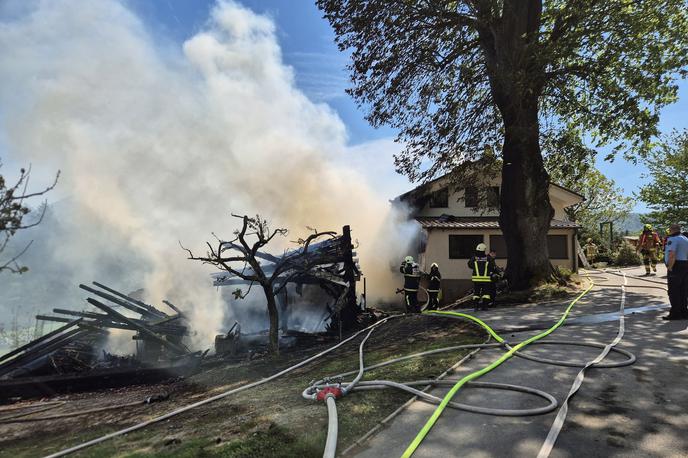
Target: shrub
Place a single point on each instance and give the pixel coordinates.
(564, 274)
(627, 256)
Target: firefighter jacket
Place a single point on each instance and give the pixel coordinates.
(435, 281)
(649, 240)
(483, 268)
(411, 273)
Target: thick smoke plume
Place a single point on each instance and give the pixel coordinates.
(157, 145)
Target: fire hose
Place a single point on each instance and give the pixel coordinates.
(331, 395)
(188, 407)
(333, 388)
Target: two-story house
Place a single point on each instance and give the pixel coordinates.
(452, 222)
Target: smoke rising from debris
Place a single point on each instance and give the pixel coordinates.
(157, 145)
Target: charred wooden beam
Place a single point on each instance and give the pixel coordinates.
(137, 302)
(133, 307)
(41, 350)
(106, 320)
(92, 315)
(139, 327)
(39, 340)
(174, 307)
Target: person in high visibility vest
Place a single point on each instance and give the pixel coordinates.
(483, 268)
(411, 273)
(648, 243)
(434, 286)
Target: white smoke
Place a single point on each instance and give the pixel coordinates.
(158, 145)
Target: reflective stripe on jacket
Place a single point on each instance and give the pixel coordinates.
(483, 268)
(411, 277)
(476, 272)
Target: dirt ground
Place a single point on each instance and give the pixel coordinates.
(269, 420)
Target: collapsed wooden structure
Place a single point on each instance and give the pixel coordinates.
(330, 265)
(75, 349)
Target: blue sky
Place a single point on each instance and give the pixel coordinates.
(307, 43)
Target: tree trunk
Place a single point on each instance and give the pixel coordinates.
(525, 212)
(273, 314)
(516, 81)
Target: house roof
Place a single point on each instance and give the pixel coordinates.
(421, 189)
(456, 222)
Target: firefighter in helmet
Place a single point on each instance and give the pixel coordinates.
(590, 250)
(483, 268)
(434, 285)
(648, 243)
(411, 273)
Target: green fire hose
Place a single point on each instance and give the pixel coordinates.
(448, 397)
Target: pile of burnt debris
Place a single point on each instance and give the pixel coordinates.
(71, 357)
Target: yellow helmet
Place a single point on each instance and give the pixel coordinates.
(408, 259)
(648, 227)
(589, 240)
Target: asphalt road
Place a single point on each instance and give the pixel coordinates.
(634, 411)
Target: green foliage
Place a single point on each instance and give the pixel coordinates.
(627, 256)
(667, 194)
(515, 75)
(443, 73)
(604, 201)
(564, 274)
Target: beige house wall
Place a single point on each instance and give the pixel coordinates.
(437, 250)
(557, 196)
(456, 278)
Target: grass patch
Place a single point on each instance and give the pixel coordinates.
(274, 420)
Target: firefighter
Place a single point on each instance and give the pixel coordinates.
(648, 243)
(666, 238)
(590, 251)
(411, 284)
(434, 286)
(483, 267)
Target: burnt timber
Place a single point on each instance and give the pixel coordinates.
(68, 358)
(332, 266)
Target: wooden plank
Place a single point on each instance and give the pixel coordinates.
(44, 349)
(133, 307)
(141, 328)
(39, 340)
(137, 302)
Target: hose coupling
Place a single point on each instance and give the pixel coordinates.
(334, 391)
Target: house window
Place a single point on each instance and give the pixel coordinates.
(558, 246)
(473, 199)
(493, 197)
(423, 241)
(498, 245)
(463, 246)
(440, 198)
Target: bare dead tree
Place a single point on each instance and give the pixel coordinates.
(240, 258)
(13, 210)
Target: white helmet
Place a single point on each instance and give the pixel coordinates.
(481, 247)
(408, 259)
(434, 264)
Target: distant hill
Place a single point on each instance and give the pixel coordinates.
(632, 224)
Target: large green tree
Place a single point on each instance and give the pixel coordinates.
(453, 76)
(667, 194)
